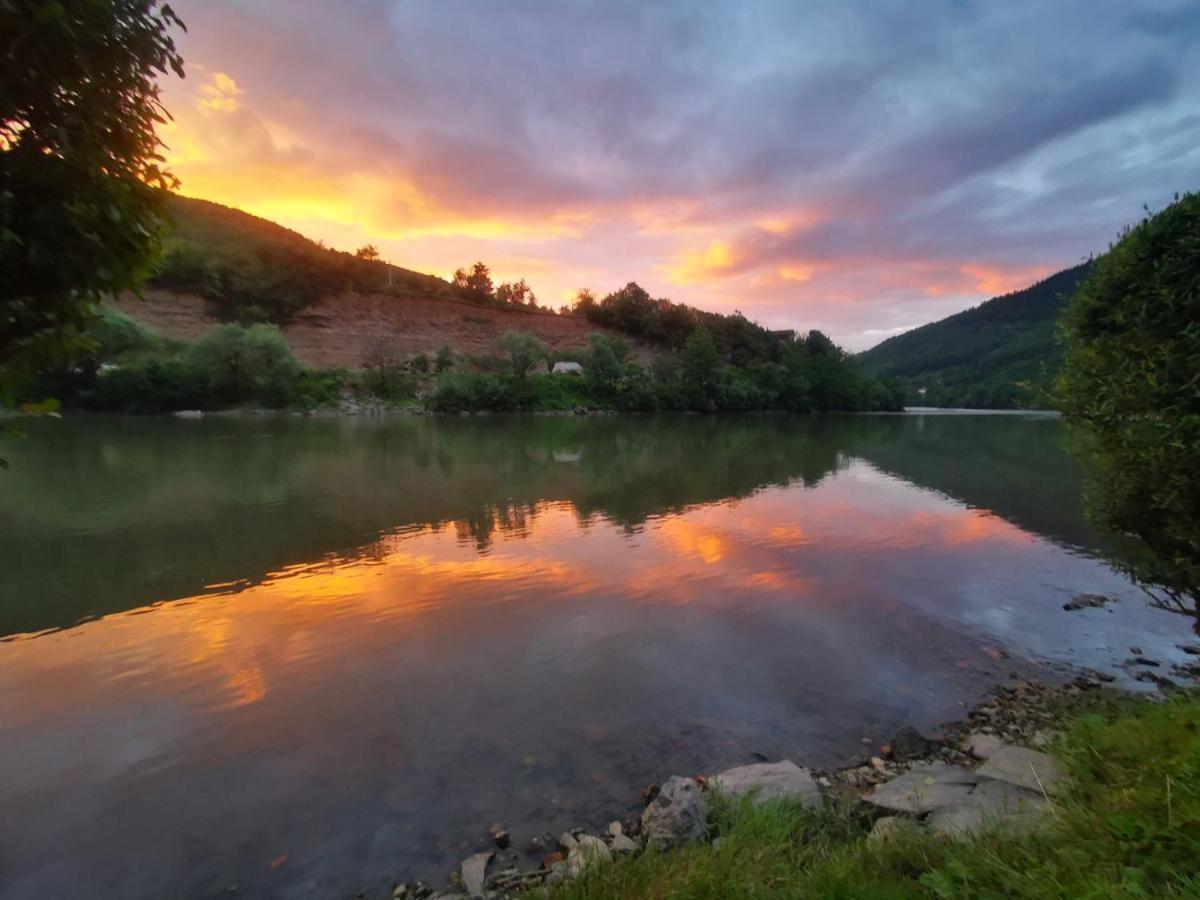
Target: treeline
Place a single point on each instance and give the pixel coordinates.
(810, 375)
(129, 369)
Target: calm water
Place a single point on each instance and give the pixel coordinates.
(308, 656)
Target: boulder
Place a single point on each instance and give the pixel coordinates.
(991, 805)
(770, 781)
(623, 844)
(924, 788)
(981, 745)
(1026, 769)
(888, 828)
(588, 851)
(677, 815)
(473, 872)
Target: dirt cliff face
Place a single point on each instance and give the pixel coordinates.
(341, 330)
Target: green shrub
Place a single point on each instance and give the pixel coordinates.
(1131, 378)
(473, 392)
(245, 365)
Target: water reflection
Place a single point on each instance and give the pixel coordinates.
(387, 635)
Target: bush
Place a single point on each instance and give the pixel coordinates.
(473, 391)
(245, 365)
(1130, 377)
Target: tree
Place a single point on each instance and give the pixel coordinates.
(603, 365)
(444, 359)
(523, 351)
(245, 364)
(700, 368)
(477, 281)
(517, 293)
(1132, 378)
(80, 168)
(370, 252)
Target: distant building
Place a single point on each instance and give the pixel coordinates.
(785, 334)
(567, 368)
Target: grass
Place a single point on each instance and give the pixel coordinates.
(1129, 827)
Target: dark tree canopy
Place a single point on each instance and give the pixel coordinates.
(80, 168)
(1132, 377)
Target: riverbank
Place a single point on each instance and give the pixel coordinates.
(1040, 791)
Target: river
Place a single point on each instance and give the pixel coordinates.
(307, 656)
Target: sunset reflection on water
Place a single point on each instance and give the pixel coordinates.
(542, 640)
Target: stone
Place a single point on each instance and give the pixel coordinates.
(878, 764)
(677, 815)
(1029, 769)
(623, 844)
(500, 836)
(1190, 649)
(888, 828)
(924, 788)
(1086, 601)
(770, 781)
(473, 872)
(991, 805)
(910, 744)
(981, 746)
(1144, 661)
(614, 828)
(550, 860)
(588, 851)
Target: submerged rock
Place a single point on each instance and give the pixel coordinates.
(770, 781)
(678, 814)
(910, 744)
(1026, 769)
(1086, 601)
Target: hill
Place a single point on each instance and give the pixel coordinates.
(1002, 354)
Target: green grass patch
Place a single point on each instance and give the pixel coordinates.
(1128, 827)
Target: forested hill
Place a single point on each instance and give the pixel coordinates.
(1002, 354)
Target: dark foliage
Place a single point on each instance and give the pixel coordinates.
(1132, 378)
(80, 175)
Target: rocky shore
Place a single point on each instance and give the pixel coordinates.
(986, 770)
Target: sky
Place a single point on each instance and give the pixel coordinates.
(861, 168)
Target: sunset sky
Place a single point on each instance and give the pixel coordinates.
(859, 168)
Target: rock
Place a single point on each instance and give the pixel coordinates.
(924, 788)
(649, 793)
(878, 764)
(188, 414)
(991, 805)
(981, 746)
(678, 814)
(1190, 649)
(542, 843)
(1143, 661)
(500, 836)
(1027, 769)
(910, 744)
(770, 781)
(1136, 651)
(623, 844)
(588, 851)
(550, 860)
(567, 841)
(887, 829)
(1087, 601)
(614, 828)
(473, 872)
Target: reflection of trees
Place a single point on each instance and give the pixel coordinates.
(114, 513)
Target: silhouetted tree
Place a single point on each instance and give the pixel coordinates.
(370, 252)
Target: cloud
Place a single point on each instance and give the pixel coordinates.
(857, 168)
